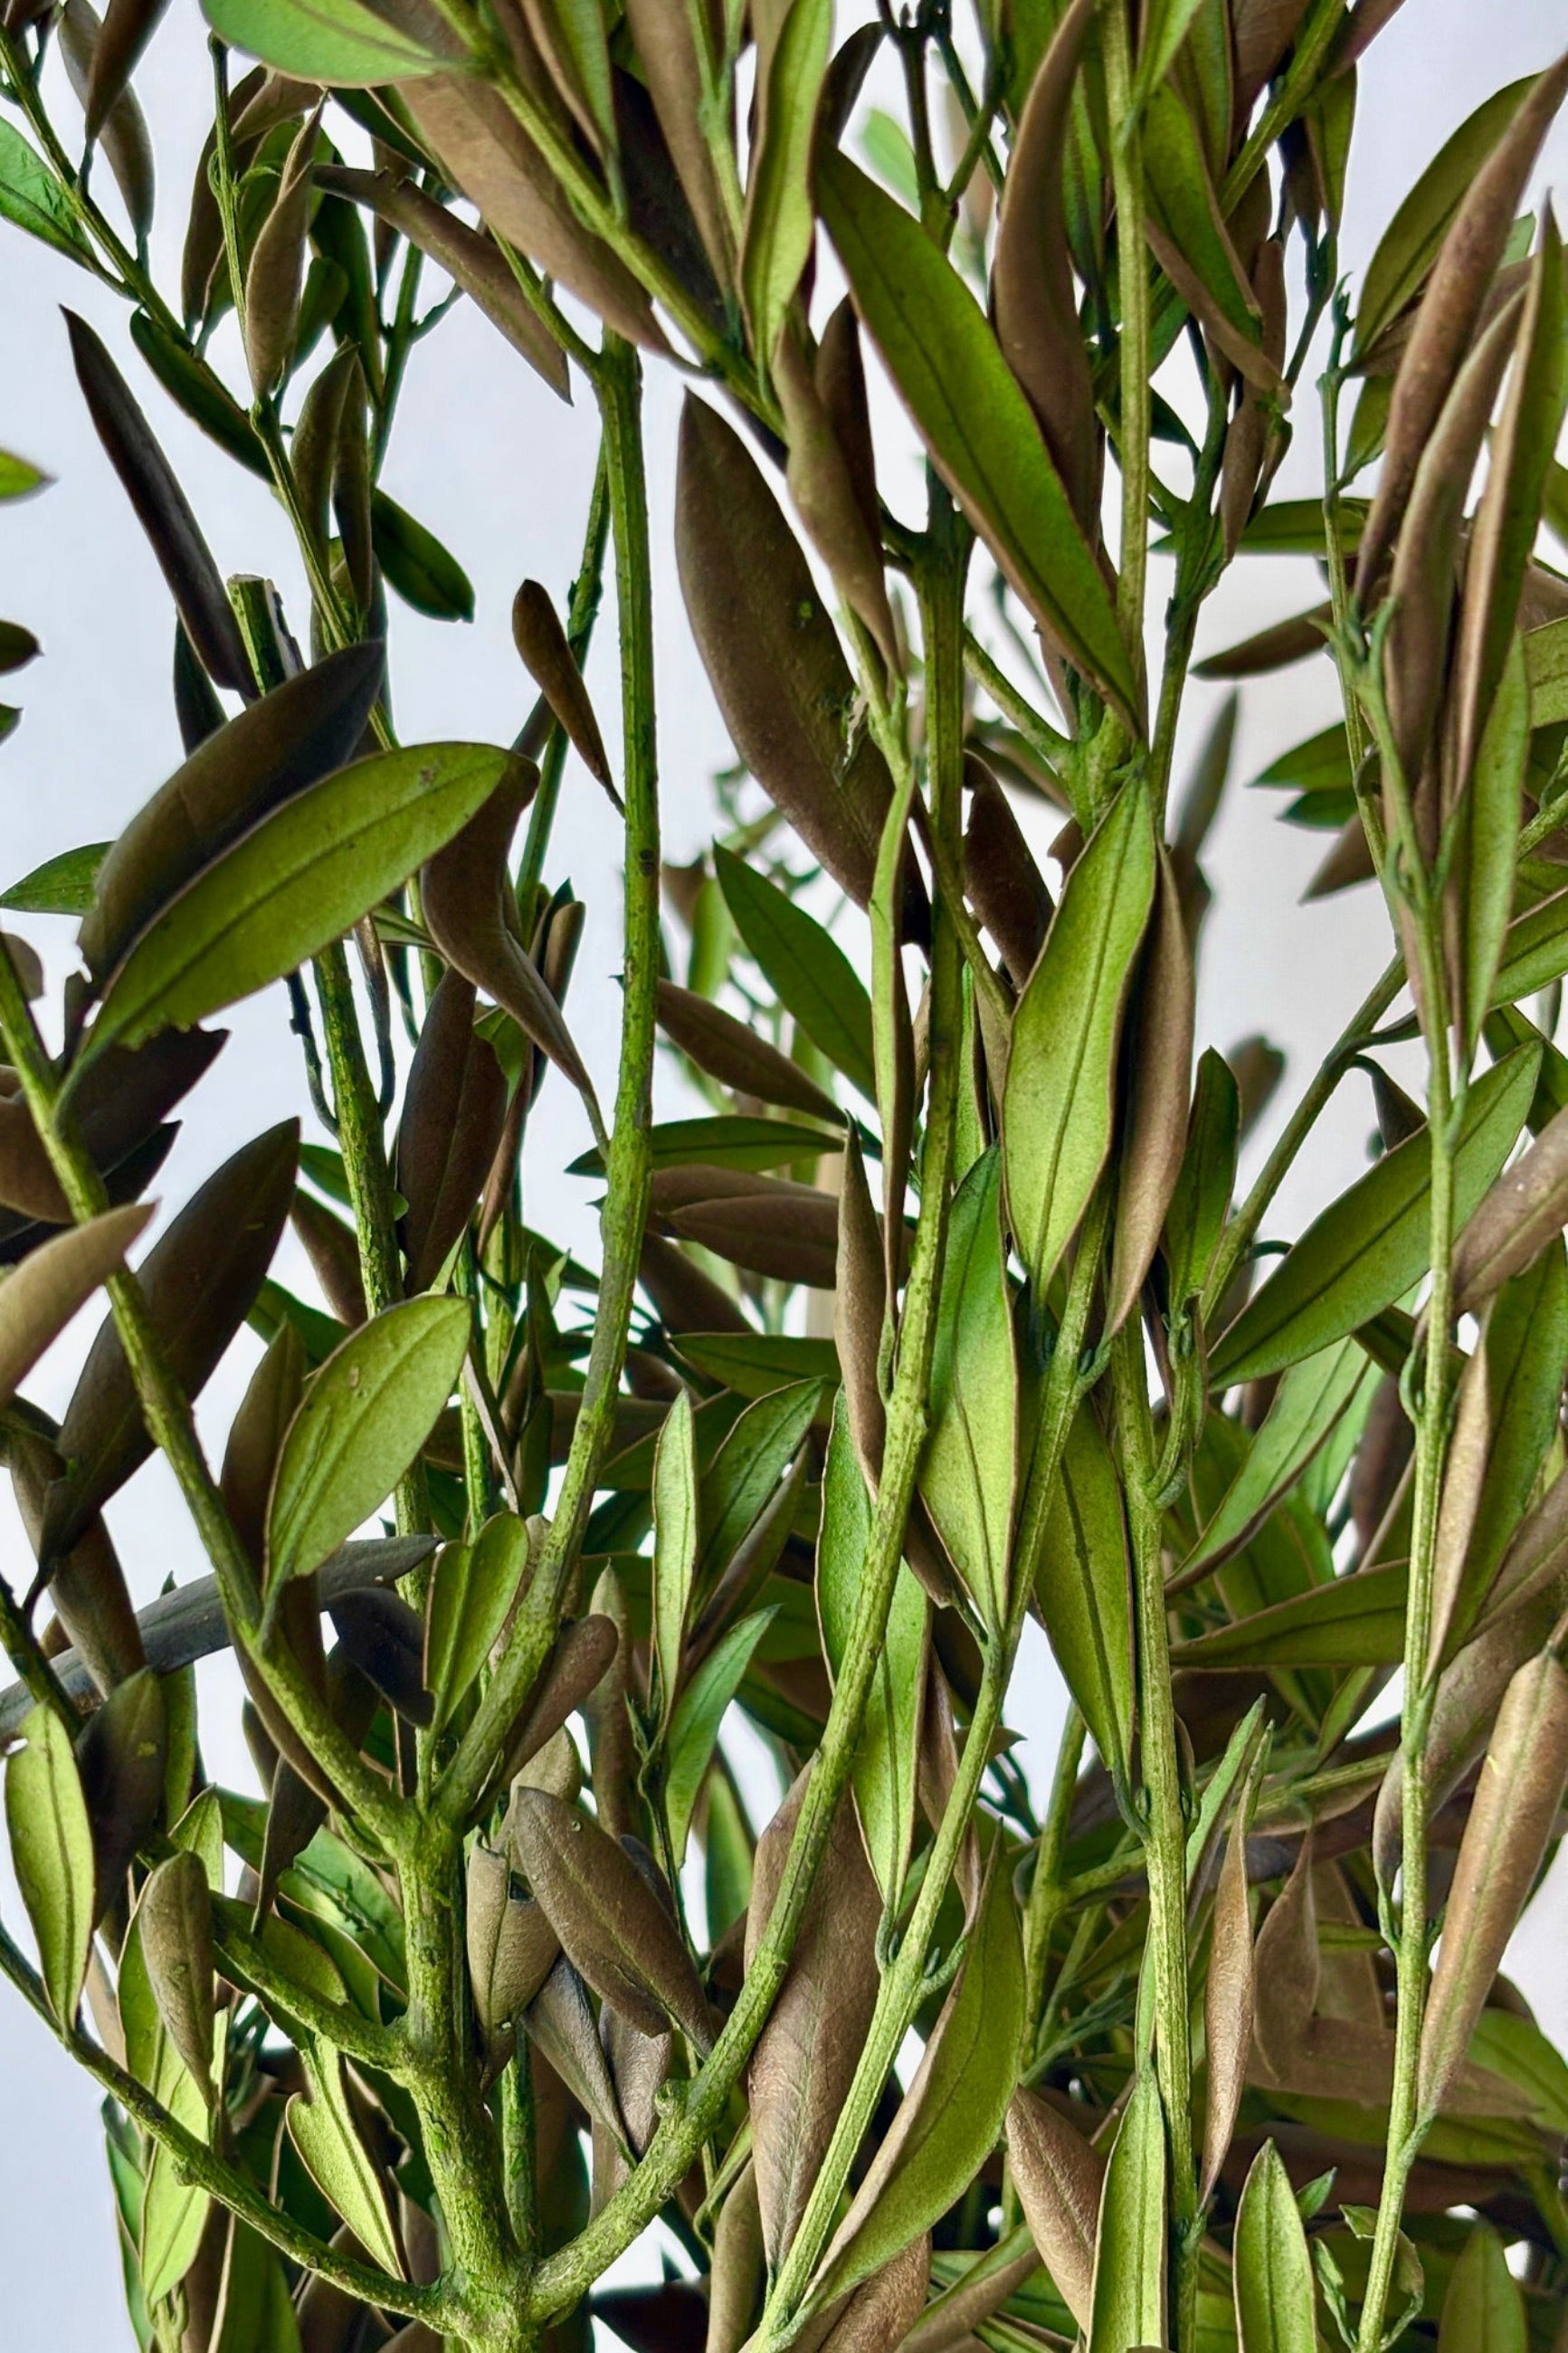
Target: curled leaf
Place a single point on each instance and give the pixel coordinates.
(1060, 2181)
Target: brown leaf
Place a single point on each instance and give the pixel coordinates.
(122, 1755)
(739, 2269)
(1254, 429)
(543, 643)
(560, 2021)
(1451, 311)
(613, 1926)
(885, 2308)
(1001, 879)
(277, 272)
(1059, 2179)
(163, 510)
(288, 740)
(805, 2057)
(779, 1234)
(685, 1299)
(859, 1310)
(512, 1947)
(88, 1585)
(1275, 648)
(1228, 2005)
(824, 490)
(1349, 862)
(666, 41)
(1512, 1817)
(384, 1638)
(128, 26)
(255, 1437)
(454, 1110)
(470, 258)
(466, 890)
(200, 1283)
(1159, 1075)
(117, 121)
(773, 655)
(1464, 1477)
(40, 1300)
(723, 1047)
(583, 1656)
(1032, 282)
(1526, 1209)
(333, 1250)
(175, 1915)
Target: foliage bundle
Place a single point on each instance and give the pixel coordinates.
(944, 1310)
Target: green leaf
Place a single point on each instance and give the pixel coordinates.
(1356, 1621)
(885, 1771)
(1534, 951)
(425, 574)
(51, 1853)
(258, 2314)
(298, 881)
(61, 886)
(813, 978)
(943, 359)
(30, 199)
(745, 1473)
(947, 2121)
(1369, 1247)
(1483, 2311)
(694, 1726)
(1186, 215)
(1411, 243)
(363, 1420)
(1272, 2269)
(1084, 1589)
(675, 1528)
(1129, 2253)
(1493, 809)
(970, 1464)
(323, 2131)
(1303, 1417)
(471, 1591)
(779, 214)
(174, 2211)
(1546, 666)
(1164, 27)
(1055, 1118)
(1201, 1202)
(339, 42)
(724, 1141)
(754, 1364)
(18, 478)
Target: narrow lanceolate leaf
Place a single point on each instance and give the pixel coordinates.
(947, 2121)
(1059, 2179)
(831, 477)
(1130, 2248)
(287, 740)
(294, 883)
(1511, 1824)
(128, 26)
(363, 1418)
(543, 643)
(1201, 1200)
(176, 1913)
(454, 1115)
(615, 1929)
(723, 1047)
(694, 1726)
(666, 41)
(200, 1283)
(30, 200)
(162, 510)
(337, 41)
(886, 1770)
(1084, 1591)
(779, 218)
(970, 1463)
(1032, 283)
(812, 976)
(1525, 1209)
(1307, 1406)
(1451, 308)
(511, 1945)
(1491, 822)
(276, 276)
(772, 654)
(51, 1853)
(1057, 1114)
(805, 2058)
(975, 420)
(1368, 1247)
(471, 1594)
(324, 2130)
(675, 1531)
(1271, 2266)
(173, 2212)
(39, 1299)
(1160, 1065)
(1192, 243)
(1228, 2001)
(98, 78)
(1483, 2311)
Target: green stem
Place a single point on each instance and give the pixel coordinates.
(628, 1163)
(1048, 1891)
(1339, 584)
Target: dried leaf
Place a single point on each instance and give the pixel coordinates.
(511, 1948)
(122, 1755)
(1229, 2000)
(454, 1110)
(886, 2306)
(822, 479)
(113, 116)
(613, 1926)
(727, 1051)
(1160, 1061)
(1526, 1209)
(40, 1297)
(543, 643)
(666, 40)
(177, 1947)
(1059, 2179)
(1001, 879)
(276, 276)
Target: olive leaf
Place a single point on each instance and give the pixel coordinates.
(472, 1590)
(675, 1541)
(322, 2129)
(360, 1425)
(1129, 2305)
(1061, 2180)
(779, 224)
(970, 1465)
(52, 1855)
(1483, 2311)
(813, 979)
(39, 1299)
(1272, 2269)
(1084, 1593)
(337, 41)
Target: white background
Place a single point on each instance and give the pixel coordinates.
(500, 471)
